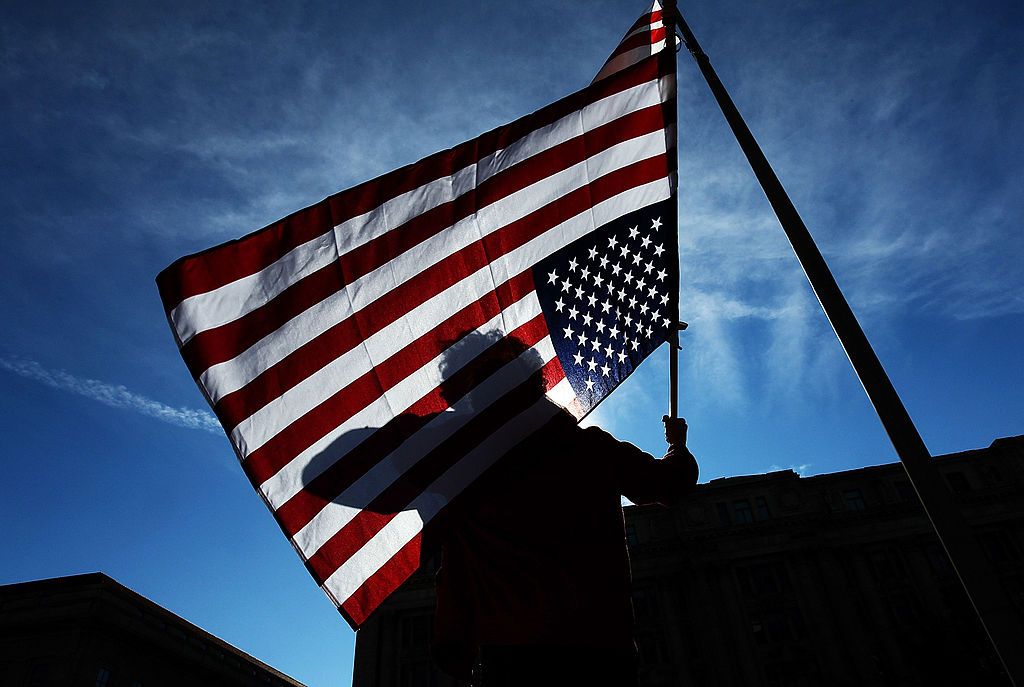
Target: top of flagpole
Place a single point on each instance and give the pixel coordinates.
(672, 14)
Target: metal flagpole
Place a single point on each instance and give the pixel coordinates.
(667, 58)
(983, 587)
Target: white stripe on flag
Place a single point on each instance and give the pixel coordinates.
(629, 58)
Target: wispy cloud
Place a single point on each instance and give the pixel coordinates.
(113, 395)
(622, 412)
(876, 171)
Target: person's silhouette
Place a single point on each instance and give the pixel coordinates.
(534, 584)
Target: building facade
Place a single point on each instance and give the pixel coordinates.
(90, 631)
(785, 581)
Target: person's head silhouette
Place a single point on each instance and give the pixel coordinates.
(473, 357)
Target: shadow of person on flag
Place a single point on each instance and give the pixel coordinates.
(423, 458)
(373, 493)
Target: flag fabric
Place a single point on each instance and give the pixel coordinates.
(644, 38)
(320, 340)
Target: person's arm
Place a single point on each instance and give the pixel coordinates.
(644, 479)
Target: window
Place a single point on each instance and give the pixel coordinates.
(652, 648)
(904, 607)
(761, 504)
(645, 606)
(102, 677)
(938, 560)
(43, 673)
(1014, 586)
(905, 491)
(414, 633)
(741, 509)
(723, 514)
(992, 474)
(854, 499)
(662, 526)
(774, 627)
(763, 579)
(417, 674)
(958, 482)
(999, 546)
(802, 673)
(887, 566)
(757, 629)
(957, 604)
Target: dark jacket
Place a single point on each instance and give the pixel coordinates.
(534, 552)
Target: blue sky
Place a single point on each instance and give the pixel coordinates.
(132, 135)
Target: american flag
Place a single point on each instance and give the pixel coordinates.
(320, 340)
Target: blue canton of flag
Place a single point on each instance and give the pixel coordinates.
(609, 299)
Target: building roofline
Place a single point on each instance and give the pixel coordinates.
(102, 581)
(779, 476)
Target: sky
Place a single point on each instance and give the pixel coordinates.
(131, 135)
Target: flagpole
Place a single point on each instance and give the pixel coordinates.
(983, 587)
(667, 58)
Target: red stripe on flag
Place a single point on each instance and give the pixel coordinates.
(379, 585)
(640, 40)
(645, 20)
(220, 344)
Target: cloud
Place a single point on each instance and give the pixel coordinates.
(716, 363)
(115, 396)
(875, 164)
(798, 469)
(710, 305)
(620, 413)
(241, 132)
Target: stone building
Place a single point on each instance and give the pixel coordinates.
(785, 581)
(90, 631)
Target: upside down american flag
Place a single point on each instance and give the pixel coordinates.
(318, 340)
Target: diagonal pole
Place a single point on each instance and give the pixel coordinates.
(982, 585)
